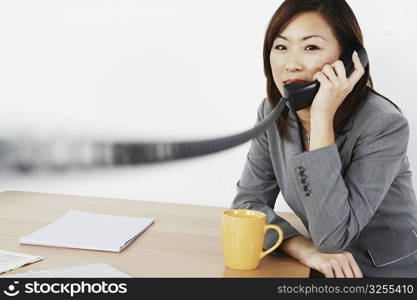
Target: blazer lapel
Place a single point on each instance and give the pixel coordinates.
(340, 141)
(295, 147)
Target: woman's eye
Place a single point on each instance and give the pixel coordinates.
(314, 47)
(279, 47)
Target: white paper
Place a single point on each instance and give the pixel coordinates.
(85, 230)
(13, 260)
(84, 271)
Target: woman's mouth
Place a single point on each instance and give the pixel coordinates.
(293, 80)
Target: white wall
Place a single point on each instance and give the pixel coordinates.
(164, 69)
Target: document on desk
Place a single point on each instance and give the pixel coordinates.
(86, 230)
(84, 271)
(13, 260)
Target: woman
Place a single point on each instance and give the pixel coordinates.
(341, 164)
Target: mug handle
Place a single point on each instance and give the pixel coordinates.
(279, 241)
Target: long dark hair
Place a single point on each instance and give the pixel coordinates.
(343, 22)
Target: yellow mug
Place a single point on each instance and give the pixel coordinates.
(243, 233)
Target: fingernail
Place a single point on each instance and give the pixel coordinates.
(356, 53)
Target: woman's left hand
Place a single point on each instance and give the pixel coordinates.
(334, 86)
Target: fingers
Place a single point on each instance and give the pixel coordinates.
(340, 69)
(336, 265)
(344, 260)
(327, 271)
(330, 73)
(346, 266)
(334, 73)
(337, 269)
(321, 78)
(332, 269)
(359, 70)
(357, 273)
(341, 265)
(347, 270)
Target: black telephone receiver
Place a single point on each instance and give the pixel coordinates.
(301, 94)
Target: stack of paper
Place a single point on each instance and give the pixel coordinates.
(83, 271)
(85, 230)
(12, 260)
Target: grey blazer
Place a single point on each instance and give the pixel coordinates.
(355, 195)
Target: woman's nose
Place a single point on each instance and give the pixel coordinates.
(292, 63)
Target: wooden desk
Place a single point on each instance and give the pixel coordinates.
(183, 242)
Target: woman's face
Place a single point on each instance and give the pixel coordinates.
(302, 49)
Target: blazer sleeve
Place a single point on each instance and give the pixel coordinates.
(258, 188)
(337, 207)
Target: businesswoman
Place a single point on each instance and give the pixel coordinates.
(341, 164)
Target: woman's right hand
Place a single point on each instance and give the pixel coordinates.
(333, 265)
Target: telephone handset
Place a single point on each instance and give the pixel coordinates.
(301, 94)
